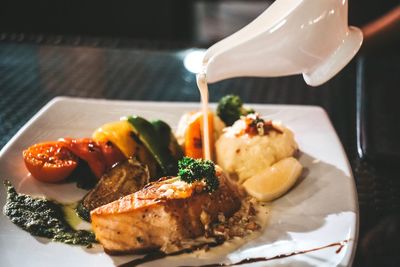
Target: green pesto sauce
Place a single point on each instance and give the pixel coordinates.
(44, 218)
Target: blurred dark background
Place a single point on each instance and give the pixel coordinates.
(191, 21)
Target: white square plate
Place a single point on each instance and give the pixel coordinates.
(320, 210)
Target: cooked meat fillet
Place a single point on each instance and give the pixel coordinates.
(162, 214)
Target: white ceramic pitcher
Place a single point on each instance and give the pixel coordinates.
(311, 37)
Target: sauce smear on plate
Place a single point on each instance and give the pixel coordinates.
(158, 255)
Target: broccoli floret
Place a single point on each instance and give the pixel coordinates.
(191, 170)
(230, 108)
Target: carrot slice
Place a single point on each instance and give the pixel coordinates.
(194, 135)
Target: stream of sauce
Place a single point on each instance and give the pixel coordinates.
(159, 255)
(203, 88)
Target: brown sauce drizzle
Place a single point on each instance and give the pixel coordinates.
(160, 255)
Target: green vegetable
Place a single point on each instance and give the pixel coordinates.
(168, 138)
(163, 130)
(44, 218)
(191, 170)
(82, 211)
(150, 137)
(230, 108)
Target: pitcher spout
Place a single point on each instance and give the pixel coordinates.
(291, 37)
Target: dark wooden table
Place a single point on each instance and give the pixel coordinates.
(34, 69)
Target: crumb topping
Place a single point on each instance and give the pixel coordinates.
(254, 125)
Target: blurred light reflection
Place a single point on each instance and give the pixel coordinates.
(192, 60)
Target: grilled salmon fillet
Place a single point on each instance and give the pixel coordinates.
(161, 215)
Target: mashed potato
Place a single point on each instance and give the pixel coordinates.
(244, 154)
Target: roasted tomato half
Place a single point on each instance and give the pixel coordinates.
(111, 153)
(50, 161)
(89, 151)
(100, 156)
